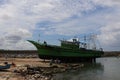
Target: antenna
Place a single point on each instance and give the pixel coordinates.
(38, 38)
(93, 40)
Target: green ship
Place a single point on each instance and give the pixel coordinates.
(68, 51)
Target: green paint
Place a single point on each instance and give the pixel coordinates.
(70, 50)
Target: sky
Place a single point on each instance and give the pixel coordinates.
(51, 20)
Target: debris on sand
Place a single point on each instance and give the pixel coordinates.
(43, 73)
(34, 69)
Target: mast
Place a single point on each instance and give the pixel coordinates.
(38, 38)
(92, 41)
(85, 42)
(89, 41)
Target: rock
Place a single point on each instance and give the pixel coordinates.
(63, 70)
(1, 78)
(27, 65)
(37, 75)
(32, 78)
(44, 73)
(54, 66)
(13, 78)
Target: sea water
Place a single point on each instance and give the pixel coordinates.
(107, 68)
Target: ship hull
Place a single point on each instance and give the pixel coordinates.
(65, 54)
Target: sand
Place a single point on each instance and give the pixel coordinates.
(19, 62)
(22, 66)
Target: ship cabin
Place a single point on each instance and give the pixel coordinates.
(71, 44)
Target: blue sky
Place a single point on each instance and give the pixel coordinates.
(57, 19)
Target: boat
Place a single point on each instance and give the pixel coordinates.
(70, 50)
(5, 66)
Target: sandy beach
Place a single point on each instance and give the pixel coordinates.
(19, 62)
(33, 69)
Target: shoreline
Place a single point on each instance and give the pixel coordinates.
(34, 68)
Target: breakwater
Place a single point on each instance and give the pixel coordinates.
(34, 53)
(19, 53)
(111, 53)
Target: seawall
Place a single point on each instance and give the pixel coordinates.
(19, 53)
(34, 53)
(111, 53)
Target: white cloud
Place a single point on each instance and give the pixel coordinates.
(110, 36)
(19, 17)
(109, 3)
(70, 28)
(13, 39)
